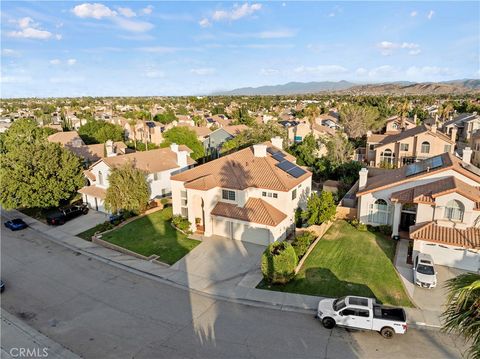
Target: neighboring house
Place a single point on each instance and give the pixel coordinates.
(5, 124)
(218, 121)
(397, 124)
(158, 165)
(435, 202)
(464, 126)
(90, 153)
(476, 148)
(250, 195)
(407, 146)
(214, 141)
(202, 132)
(145, 131)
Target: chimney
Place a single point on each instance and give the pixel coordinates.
(453, 134)
(436, 117)
(109, 148)
(362, 181)
(174, 147)
(260, 150)
(467, 155)
(369, 133)
(182, 158)
(415, 119)
(277, 141)
(433, 128)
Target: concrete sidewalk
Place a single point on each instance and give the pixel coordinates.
(18, 338)
(239, 291)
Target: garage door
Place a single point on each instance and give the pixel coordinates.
(452, 257)
(241, 232)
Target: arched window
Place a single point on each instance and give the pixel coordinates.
(387, 157)
(100, 178)
(425, 147)
(394, 126)
(454, 210)
(379, 212)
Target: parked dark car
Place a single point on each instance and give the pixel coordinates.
(67, 213)
(2, 286)
(16, 224)
(116, 218)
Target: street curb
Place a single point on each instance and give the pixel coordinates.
(145, 274)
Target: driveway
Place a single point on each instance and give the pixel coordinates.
(219, 260)
(82, 223)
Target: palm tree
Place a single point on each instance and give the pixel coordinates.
(462, 314)
(133, 122)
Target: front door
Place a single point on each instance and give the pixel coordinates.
(408, 216)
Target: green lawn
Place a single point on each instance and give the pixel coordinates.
(153, 234)
(87, 235)
(349, 262)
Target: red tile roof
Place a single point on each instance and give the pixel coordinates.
(432, 232)
(255, 210)
(93, 191)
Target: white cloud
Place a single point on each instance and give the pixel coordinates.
(321, 69)
(205, 22)
(159, 49)
(383, 71)
(284, 4)
(413, 13)
(430, 14)
(147, 10)
(154, 74)
(361, 71)
(126, 11)
(66, 80)
(134, 26)
(332, 14)
(236, 13)
(30, 30)
(58, 36)
(269, 72)
(55, 62)
(203, 71)
(71, 62)
(14, 79)
(387, 47)
(430, 71)
(95, 11)
(10, 53)
(276, 34)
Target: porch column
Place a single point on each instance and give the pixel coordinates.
(397, 213)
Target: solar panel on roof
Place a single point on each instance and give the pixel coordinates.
(278, 156)
(437, 162)
(271, 150)
(424, 165)
(297, 172)
(285, 165)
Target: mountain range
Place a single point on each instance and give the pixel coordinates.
(346, 87)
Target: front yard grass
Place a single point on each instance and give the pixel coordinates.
(349, 262)
(153, 234)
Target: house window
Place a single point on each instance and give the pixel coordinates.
(264, 194)
(294, 193)
(404, 147)
(387, 157)
(155, 176)
(454, 210)
(394, 126)
(371, 147)
(275, 195)
(100, 178)
(379, 212)
(185, 212)
(228, 195)
(447, 148)
(270, 194)
(425, 147)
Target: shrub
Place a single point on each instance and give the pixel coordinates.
(302, 243)
(385, 229)
(278, 262)
(164, 200)
(181, 223)
(359, 225)
(105, 226)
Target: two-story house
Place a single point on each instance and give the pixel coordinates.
(158, 166)
(397, 124)
(250, 195)
(434, 202)
(408, 146)
(464, 126)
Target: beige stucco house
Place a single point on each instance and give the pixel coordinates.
(397, 124)
(434, 202)
(250, 195)
(408, 146)
(158, 165)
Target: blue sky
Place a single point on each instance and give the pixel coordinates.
(184, 48)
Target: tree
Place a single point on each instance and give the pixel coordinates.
(24, 131)
(320, 208)
(165, 118)
(182, 135)
(305, 151)
(462, 313)
(339, 149)
(278, 262)
(128, 190)
(258, 133)
(100, 131)
(39, 174)
(357, 120)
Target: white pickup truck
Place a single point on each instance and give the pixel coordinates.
(362, 313)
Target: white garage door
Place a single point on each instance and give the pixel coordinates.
(452, 256)
(241, 232)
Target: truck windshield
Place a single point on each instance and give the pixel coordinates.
(423, 269)
(339, 304)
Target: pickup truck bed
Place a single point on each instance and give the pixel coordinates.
(395, 314)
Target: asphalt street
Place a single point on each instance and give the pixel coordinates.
(100, 311)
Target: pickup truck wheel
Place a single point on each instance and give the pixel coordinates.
(328, 323)
(387, 333)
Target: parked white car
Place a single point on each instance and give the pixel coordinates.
(362, 313)
(424, 273)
